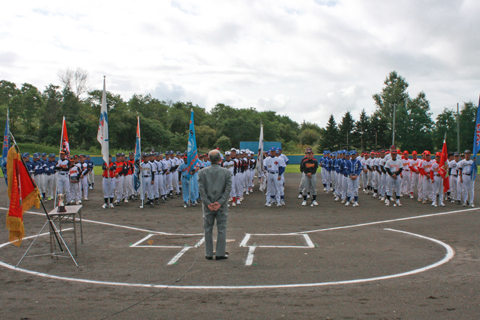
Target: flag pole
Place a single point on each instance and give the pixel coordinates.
(56, 186)
(41, 201)
(140, 167)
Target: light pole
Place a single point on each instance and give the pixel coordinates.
(393, 131)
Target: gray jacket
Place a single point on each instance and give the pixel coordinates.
(214, 185)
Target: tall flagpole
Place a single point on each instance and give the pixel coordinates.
(140, 167)
(56, 177)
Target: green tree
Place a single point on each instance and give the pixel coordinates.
(362, 130)
(347, 138)
(468, 116)
(329, 140)
(446, 123)
(223, 143)
(309, 137)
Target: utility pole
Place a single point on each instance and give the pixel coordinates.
(458, 128)
(347, 141)
(393, 131)
(376, 134)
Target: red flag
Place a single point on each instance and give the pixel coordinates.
(64, 145)
(443, 170)
(23, 195)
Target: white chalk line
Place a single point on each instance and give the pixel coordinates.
(185, 249)
(121, 226)
(448, 256)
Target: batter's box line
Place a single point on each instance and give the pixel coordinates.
(177, 256)
(251, 249)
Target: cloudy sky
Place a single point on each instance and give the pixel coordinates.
(305, 59)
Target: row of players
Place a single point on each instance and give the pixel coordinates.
(422, 174)
(155, 181)
(44, 170)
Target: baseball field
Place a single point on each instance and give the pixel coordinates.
(291, 262)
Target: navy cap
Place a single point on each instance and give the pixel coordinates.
(51, 155)
(167, 152)
(44, 154)
(88, 156)
(26, 155)
(35, 155)
(178, 152)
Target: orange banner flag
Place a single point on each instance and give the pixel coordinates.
(23, 195)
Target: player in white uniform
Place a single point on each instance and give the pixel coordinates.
(368, 168)
(394, 168)
(75, 174)
(63, 181)
(427, 183)
(281, 181)
(414, 165)
(437, 174)
(406, 174)
(272, 168)
(230, 165)
(455, 192)
(147, 180)
(465, 171)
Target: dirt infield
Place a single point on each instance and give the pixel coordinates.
(293, 262)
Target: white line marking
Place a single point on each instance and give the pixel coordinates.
(448, 256)
(309, 241)
(178, 255)
(141, 240)
(121, 226)
(281, 247)
(249, 260)
(245, 240)
(164, 247)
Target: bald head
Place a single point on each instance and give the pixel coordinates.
(214, 156)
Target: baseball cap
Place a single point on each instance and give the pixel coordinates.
(456, 154)
(405, 152)
(468, 151)
(414, 152)
(353, 152)
(393, 152)
(44, 154)
(309, 150)
(426, 152)
(26, 155)
(227, 153)
(393, 147)
(130, 154)
(51, 155)
(35, 155)
(438, 154)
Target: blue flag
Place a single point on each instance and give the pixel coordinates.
(136, 176)
(476, 143)
(192, 156)
(6, 147)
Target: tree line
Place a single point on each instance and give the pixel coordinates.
(414, 127)
(36, 117)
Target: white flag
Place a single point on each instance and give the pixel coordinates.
(102, 135)
(260, 170)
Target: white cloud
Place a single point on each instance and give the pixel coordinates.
(306, 59)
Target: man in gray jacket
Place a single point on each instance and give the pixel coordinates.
(214, 184)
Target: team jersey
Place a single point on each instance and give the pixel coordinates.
(284, 157)
(406, 164)
(427, 165)
(74, 173)
(369, 163)
(108, 173)
(394, 166)
(61, 163)
(271, 164)
(453, 166)
(229, 165)
(146, 168)
(309, 166)
(353, 167)
(466, 166)
(414, 164)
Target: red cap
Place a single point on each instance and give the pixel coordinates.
(438, 154)
(426, 152)
(414, 153)
(405, 152)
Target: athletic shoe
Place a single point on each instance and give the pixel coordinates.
(324, 189)
(269, 204)
(304, 203)
(111, 206)
(382, 199)
(185, 204)
(105, 206)
(78, 202)
(234, 204)
(279, 204)
(347, 204)
(375, 195)
(314, 203)
(343, 201)
(352, 200)
(434, 204)
(300, 196)
(238, 201)
(282, 202)
(411, 196)
(453, 201)
(442, 204)
(472, 205)
(337, 199)
(90, 188)
(387, 203)
(464, 204)
(356, 204)
(365, 191)
(399, 203)
(194, 203)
